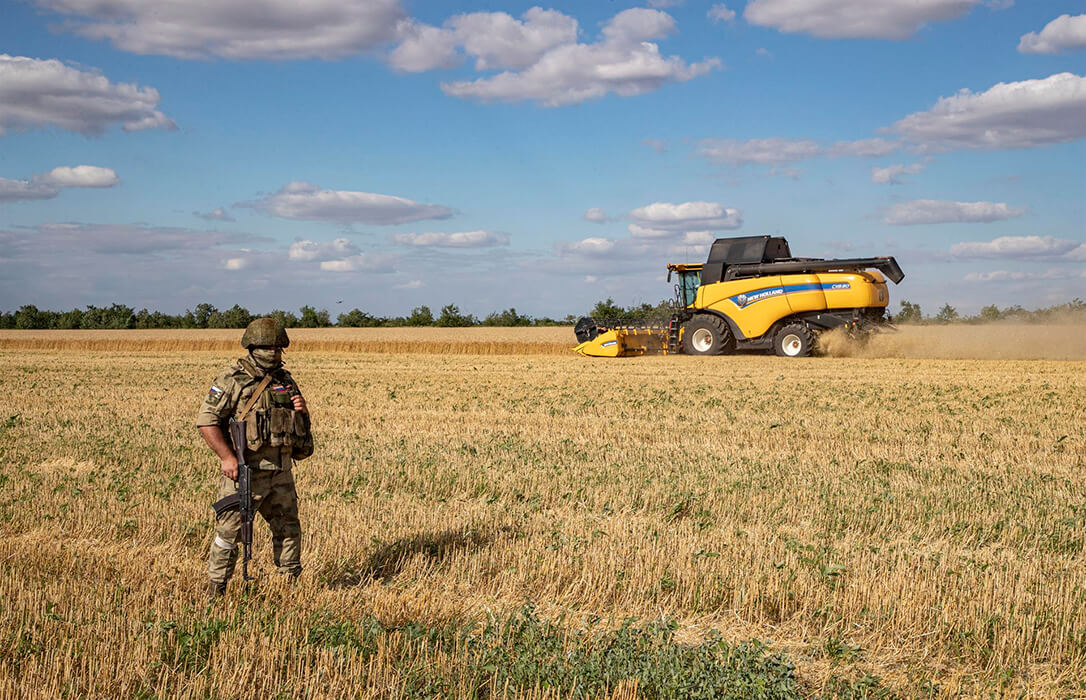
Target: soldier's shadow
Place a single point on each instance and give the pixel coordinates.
(390, 559)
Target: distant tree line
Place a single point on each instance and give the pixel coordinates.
(118, 316)
(1074, 310)
(910, 313)
(608, 311)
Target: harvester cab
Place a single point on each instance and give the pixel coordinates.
(689, 279)
(751, 294)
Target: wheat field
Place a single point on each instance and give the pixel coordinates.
(488, 516)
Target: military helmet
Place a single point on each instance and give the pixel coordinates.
(265, 332)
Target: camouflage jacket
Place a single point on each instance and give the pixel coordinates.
(229, 394)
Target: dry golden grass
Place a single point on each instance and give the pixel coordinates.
(999, 341)
(399, 341)
(922, 521)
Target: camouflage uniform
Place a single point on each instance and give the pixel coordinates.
(274, 495)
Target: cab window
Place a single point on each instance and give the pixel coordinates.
(689, 281)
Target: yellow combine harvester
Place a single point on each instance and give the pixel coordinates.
(751, 294)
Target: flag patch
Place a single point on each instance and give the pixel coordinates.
(214, 394)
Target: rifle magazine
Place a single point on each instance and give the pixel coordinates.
(227, 504)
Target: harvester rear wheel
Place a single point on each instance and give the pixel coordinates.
(794, 340)
(706, 335)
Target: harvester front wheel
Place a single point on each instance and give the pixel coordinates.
(706, 335)
(794, 340)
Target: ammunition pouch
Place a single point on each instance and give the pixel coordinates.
(278, 425)
(300, 424)
(254, 435)
(303, 439)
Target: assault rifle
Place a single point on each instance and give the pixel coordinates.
(242, 500)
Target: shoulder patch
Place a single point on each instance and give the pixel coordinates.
(214, 395)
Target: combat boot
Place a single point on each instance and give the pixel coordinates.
(216, 589)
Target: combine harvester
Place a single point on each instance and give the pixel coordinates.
(751, 294)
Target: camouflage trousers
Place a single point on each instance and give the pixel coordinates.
(275, 498)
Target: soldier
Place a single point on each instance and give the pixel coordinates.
(279, 421)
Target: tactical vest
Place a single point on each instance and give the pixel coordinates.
(273, 422)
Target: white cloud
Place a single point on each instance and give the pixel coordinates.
(81, 176)
(664, 219)
(931, 211)
(854, 19)
(218, 214)
(76, 241)
(41, 93)
(864, 148)
(772, 151)
(688, 251)
(595, 215)
(47, 185)
(764, 53)
(623, 61)
(1020, 247)
(611, 259)
(1065, 33)
(841, 245)
(591, 247)
(307, 251)
(413, 284)
(996, 275)
(306, 202)
(1008, 115)
(25, 190)
(495, 40)
(639, 231)
(466, 239)
(238, 29)
(1019, 275)
(72, 264)
(355, 263)
(780, 151)
(892, 175)
(498, 41)
(424, 48)
(638, 24)
(720, 13)
(698, 238)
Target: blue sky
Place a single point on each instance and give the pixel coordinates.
(388, 153)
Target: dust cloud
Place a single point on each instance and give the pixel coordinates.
(996, 341)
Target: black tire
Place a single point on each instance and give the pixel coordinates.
(794, 340)
(707, 335)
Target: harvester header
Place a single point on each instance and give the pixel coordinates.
(751, 294)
